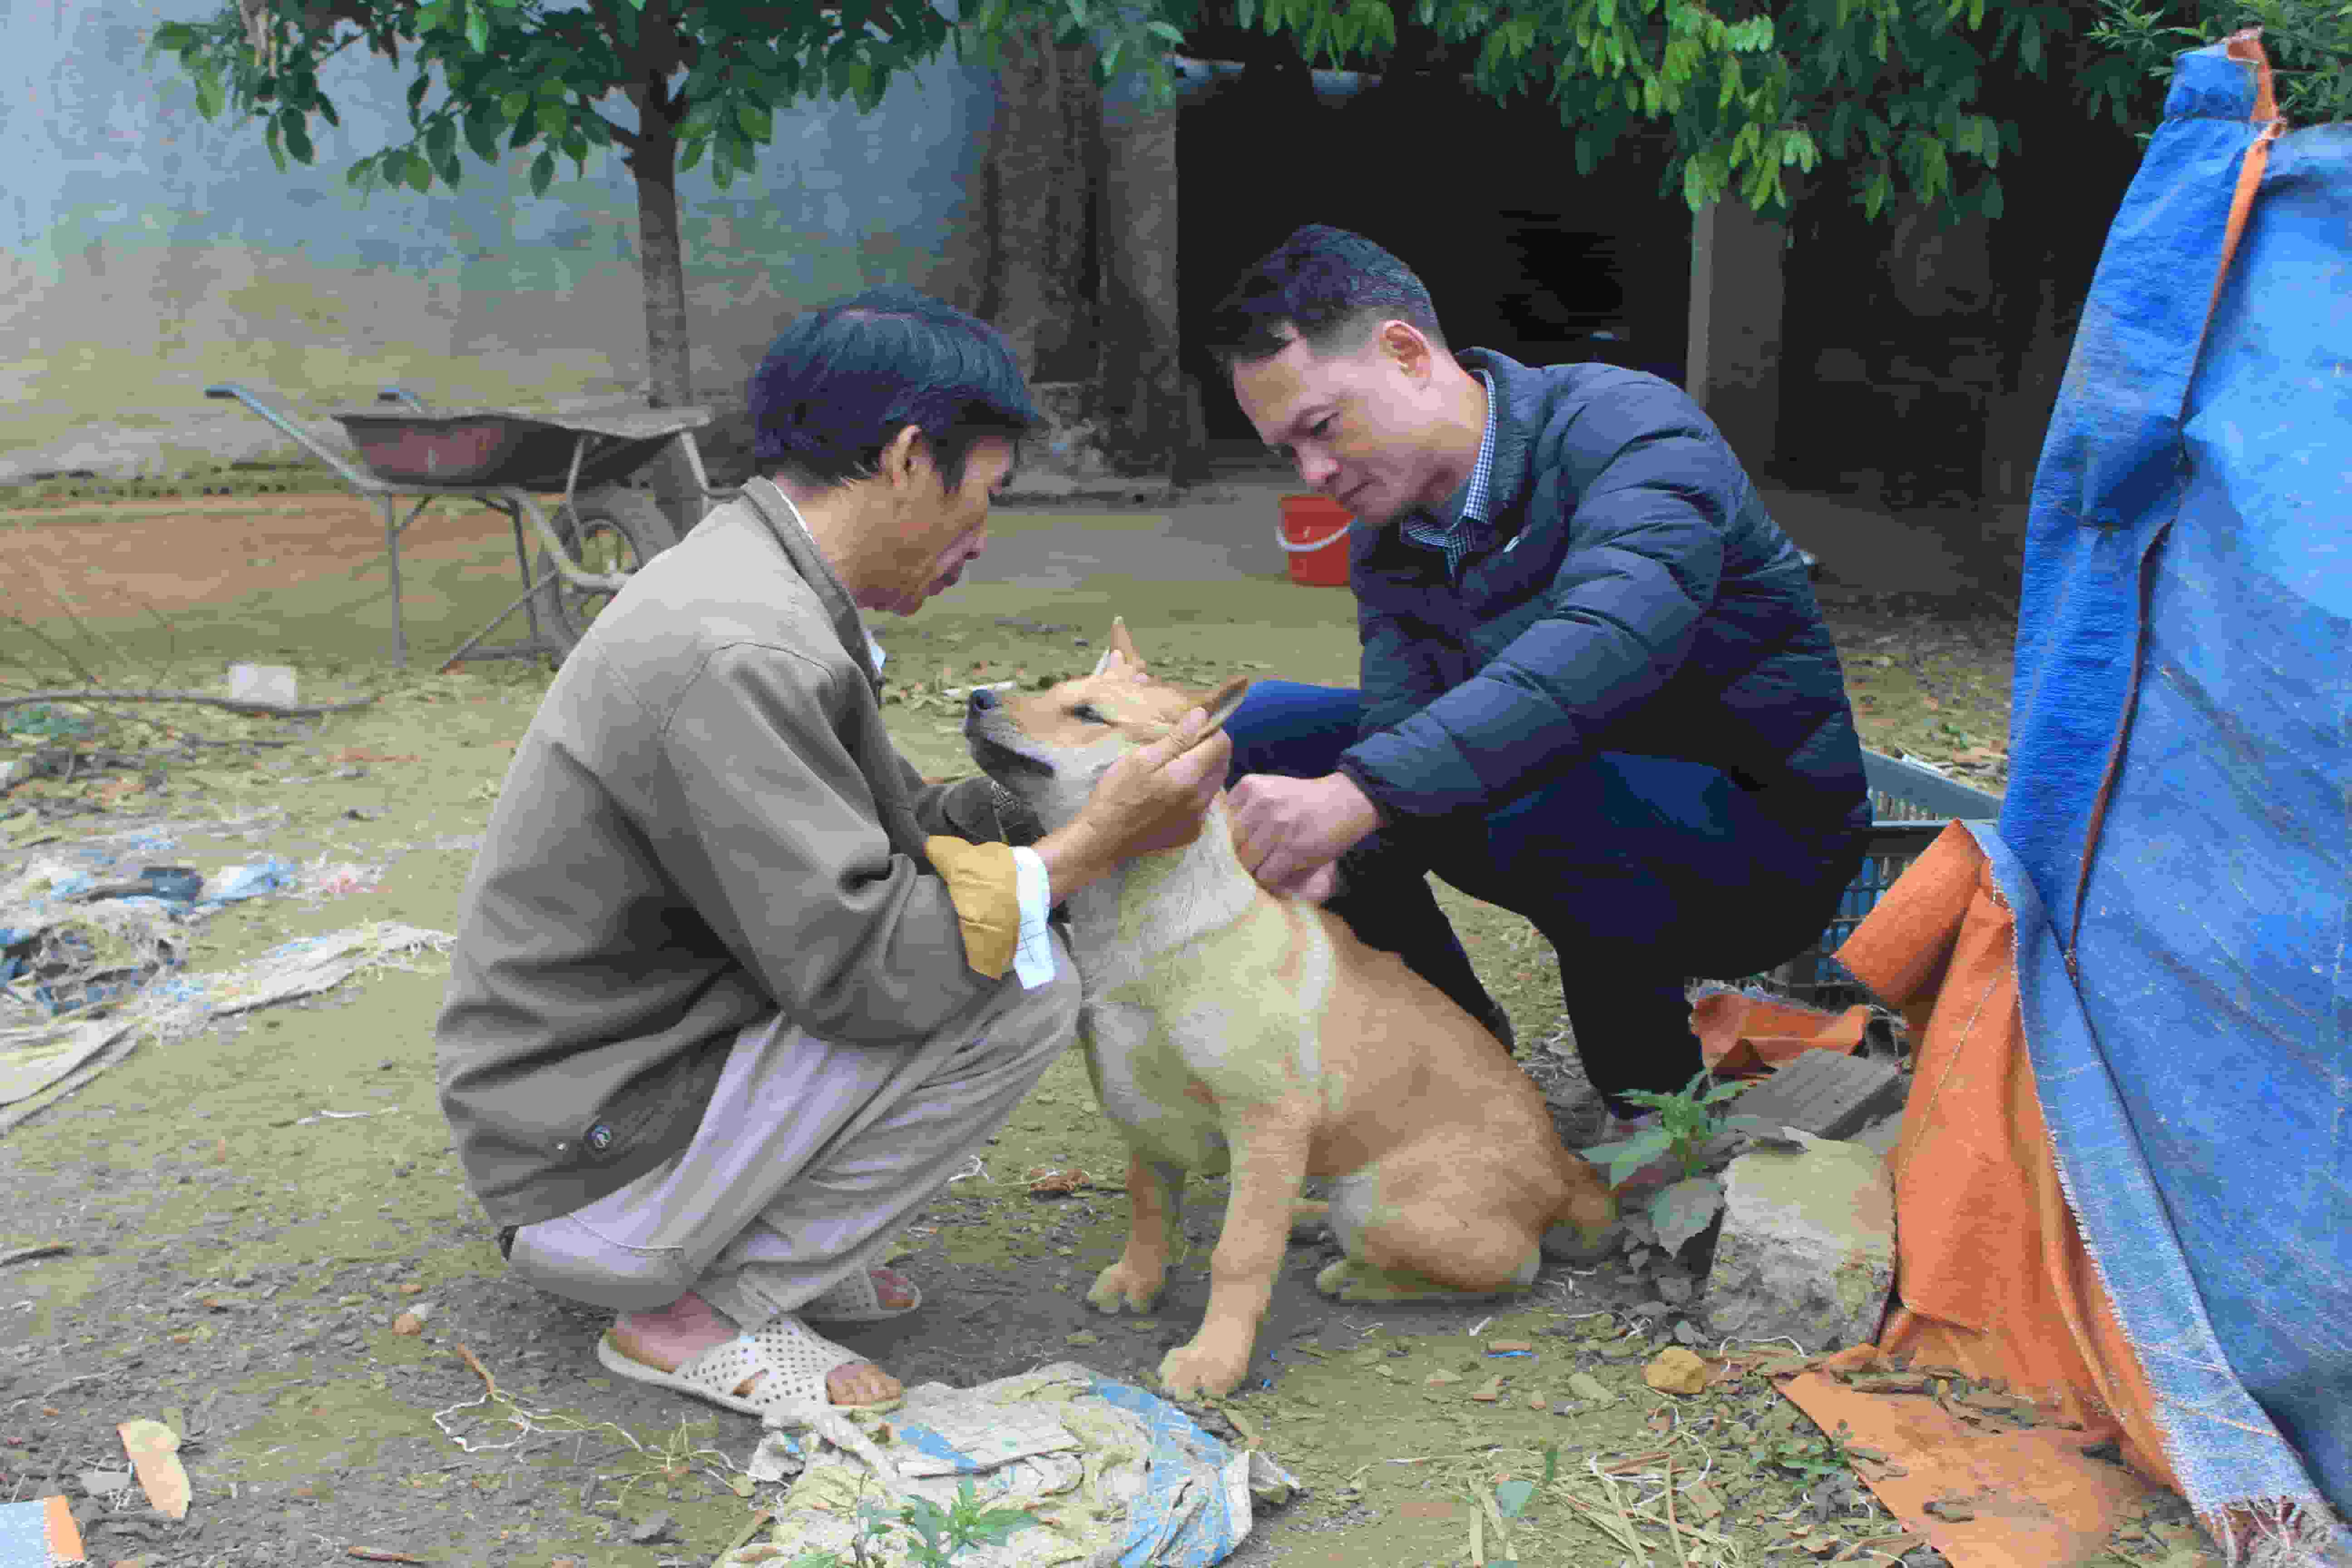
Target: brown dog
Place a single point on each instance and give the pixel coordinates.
(1227, 1029)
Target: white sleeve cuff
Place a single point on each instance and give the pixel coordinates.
(1032, 953)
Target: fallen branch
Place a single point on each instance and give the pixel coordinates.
(233, 704)
(26, 1254)
(489, 1383)
(371, 1554)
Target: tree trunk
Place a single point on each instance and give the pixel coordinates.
(1044, 169)
(1146, 410)
(669, 365)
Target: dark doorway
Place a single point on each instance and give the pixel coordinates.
(1520, 253)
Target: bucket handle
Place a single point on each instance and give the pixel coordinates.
(1332, 538)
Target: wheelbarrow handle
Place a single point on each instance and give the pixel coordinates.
(365, 483)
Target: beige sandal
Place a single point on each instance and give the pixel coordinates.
(859, 1299)
(795, 1359)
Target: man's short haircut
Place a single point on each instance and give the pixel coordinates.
(1322, 284)
(840, 383)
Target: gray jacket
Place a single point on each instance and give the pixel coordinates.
(705, 822)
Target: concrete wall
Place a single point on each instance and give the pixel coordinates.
(144, 252)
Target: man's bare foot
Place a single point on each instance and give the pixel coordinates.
(689, 1326)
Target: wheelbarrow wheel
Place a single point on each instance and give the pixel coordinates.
(610, 530)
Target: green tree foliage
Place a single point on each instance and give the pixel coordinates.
(1893, 93)
(497, 76)
(2309, 43)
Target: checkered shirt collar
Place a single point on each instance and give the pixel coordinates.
(1467, 529)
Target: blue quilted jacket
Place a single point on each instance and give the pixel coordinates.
(1635, 596)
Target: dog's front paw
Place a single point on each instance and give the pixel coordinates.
(1197, 1371)
(1121, 1287)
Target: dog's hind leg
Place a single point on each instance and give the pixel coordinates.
(1155, 1204)
(1424, 1249)
(1353, 1279)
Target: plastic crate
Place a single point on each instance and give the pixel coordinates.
(1910, 807)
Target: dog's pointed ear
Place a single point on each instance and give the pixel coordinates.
(1222, 702)
(1119, 653)
(1120, 643)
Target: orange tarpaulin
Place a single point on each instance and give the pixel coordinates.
(1991, 1276)
(1739, 1034)
(1989, 1264)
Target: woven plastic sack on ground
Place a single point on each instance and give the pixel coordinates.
(37, 1065)
(59, 955)
(1114, 1476)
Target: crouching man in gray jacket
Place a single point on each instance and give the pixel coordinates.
(734, 991)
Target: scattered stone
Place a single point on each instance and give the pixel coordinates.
(1827, 1094)
(1881, 1135)
(408, 1323)
(1591, 1389)
(1674, 1288)
(652, 1530)
(1807, 1250)
(1949, 1508)
(1676, 1371)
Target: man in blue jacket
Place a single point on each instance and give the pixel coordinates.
(1596, 688)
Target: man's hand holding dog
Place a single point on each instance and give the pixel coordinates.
(1152, 798)
(1289, 832)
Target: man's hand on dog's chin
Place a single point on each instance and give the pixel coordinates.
(1151, 799)
(1289, 832)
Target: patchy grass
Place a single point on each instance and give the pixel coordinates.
(245, 1266)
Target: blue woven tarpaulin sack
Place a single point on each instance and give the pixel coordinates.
(2177, 837)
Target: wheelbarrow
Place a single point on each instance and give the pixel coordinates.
(601, 530)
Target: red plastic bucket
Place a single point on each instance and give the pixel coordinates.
(1314, 539)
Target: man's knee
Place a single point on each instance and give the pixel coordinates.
(567, 1258)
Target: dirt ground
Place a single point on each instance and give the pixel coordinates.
(239, 1260)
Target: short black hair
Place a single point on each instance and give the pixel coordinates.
(1322, 284)
(840, 383)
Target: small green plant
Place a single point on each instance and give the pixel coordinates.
(1812, 1457)
(1695, 1137)
(935, 1537)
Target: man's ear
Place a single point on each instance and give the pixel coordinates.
(1222, 702)
(904, 453)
